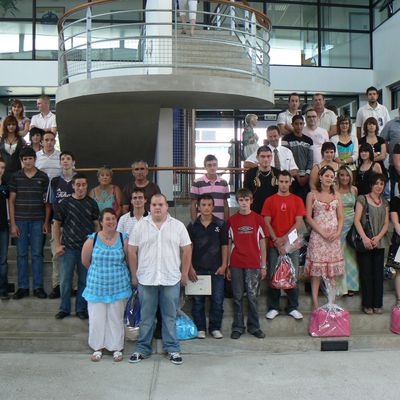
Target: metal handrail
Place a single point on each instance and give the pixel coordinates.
(248, 37)
(262, 18)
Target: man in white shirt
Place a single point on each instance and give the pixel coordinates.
(45, 120)
(284, 120)
(372, 109)
(318, 135)
(282, 157)
(155, 248)
(327, 119)
(128, 221)
(48, 159)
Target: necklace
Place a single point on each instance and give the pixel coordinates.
(108, 238)
(377, 203)
(263, 173)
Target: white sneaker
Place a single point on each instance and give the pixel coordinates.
(217, 334)
(296, 314)
(201, 335)
(271, 314)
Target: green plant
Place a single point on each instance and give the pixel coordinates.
(8, 6)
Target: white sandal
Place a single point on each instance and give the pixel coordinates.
(96, 356)
(117, 356)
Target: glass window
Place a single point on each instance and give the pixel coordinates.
(345, 49)
(294, 47)
(16, 9)
(294, 15)
(15, 40)
(345, 18)
(347, 2)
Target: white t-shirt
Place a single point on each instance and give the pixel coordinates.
(127, 223)
(327, 119)
(49, 164)
(319, 137)
(44, 122)
(285, 118)
(380, 113)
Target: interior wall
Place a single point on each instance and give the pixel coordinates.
(386, 51)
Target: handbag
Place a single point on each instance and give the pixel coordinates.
(353, 237)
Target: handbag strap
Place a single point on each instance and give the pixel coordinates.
(367, 214)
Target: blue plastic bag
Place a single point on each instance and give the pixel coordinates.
(185, 327)
(132, 316)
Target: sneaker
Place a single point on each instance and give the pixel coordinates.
(271, 314)
(217, 334)
(235, 335)
(137, 357)
(61, 315)
(82, 315)
(40, 293)
(20, 293)
(5, 296)
(55, 293)
(259, 334)
(296, 314)
(201, 335)
(175, 358)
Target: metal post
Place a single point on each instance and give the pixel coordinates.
(233, 15)
(218, 17)
(89, 43)
(253, 43)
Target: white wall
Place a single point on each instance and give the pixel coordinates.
(311, 79)
(386, 50)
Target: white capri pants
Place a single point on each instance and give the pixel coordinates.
(190, 5)
(106, 325)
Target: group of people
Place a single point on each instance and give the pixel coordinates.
(116, 240)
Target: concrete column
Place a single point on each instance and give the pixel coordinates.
(164, 152)
(158, 51)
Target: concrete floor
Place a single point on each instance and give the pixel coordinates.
(248, 375)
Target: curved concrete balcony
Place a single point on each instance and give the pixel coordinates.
(140, 55)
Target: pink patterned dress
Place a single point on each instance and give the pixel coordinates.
(324, 257)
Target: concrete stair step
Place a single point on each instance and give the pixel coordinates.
(41, 322)
(12, 253)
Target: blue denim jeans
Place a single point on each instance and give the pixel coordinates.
(245, 279)
(216, 307)
(275, 294)
(3, 261)
(150, 297)
(30, 233)
(70, 260)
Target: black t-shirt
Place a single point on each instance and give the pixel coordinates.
(3, 206)
(377, 147)
(262, 185)
(77, 219)
(207, 242)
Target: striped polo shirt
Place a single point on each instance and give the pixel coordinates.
(218, 189)
(30, 195)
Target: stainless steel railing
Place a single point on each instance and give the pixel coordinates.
(231, 39)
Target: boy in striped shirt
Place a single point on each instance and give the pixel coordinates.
(214, 185)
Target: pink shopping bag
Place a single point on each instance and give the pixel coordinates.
(329, 320)
(395, 320)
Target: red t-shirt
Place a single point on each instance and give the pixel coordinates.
(283, 211)
(246, 231)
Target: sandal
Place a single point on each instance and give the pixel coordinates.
(378, 310)
(118, 356)
(96, 356)
(368, 310)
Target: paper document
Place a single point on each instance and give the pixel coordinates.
(201, 287)
(397, 257)
(293, 236)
